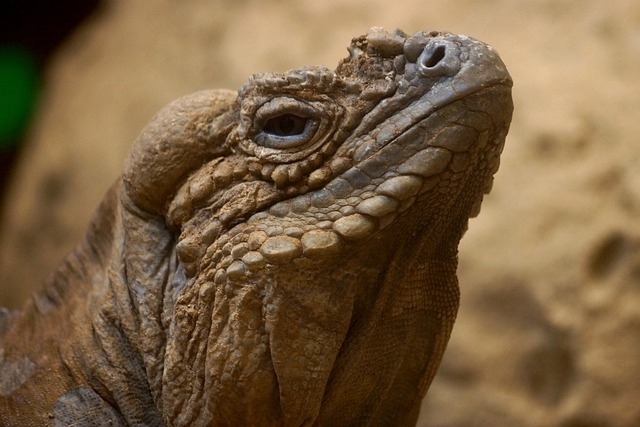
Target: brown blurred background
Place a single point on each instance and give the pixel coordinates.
(548, 332)
(30, 33)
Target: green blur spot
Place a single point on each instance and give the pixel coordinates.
(18, 86)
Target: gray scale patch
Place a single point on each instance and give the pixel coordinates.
(14, 374)
(5, 320)
(375, 167)
(340, 188)
(322, 198)
(83, 407)
(357, 178)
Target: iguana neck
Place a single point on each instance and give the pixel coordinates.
(70, 334)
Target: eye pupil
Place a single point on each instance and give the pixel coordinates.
(286, 125)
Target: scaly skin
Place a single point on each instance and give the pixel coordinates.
(281, 256)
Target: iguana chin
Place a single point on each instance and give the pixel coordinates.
(283, 255)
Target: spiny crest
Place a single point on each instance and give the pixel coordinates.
(315, 79)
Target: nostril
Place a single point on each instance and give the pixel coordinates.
(439, 58)
(432, 59)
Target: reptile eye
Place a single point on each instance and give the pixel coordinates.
(287, 131)
(285, 125)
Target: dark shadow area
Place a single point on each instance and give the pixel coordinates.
(30, 32)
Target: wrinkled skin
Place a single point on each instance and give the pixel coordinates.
(285, 255)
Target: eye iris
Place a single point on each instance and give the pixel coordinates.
(286, 125)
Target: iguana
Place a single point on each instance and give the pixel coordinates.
(283, 255)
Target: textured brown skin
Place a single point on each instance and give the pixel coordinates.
(236, 277)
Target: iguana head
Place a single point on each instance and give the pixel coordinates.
(302, 207)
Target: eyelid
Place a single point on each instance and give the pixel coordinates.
(279, 106)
